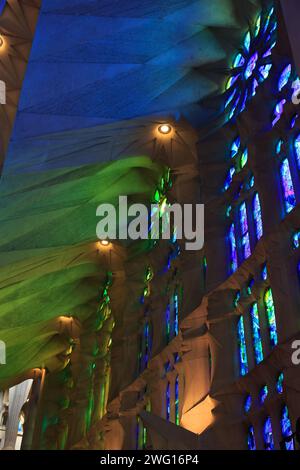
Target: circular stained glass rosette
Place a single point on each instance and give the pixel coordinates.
(252, 65)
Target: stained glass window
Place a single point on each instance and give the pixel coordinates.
(251, 439)
(177, 417)
(278, 111)
(248, 403)
(297, 149)
(229, 177)
(286, 428)
(257, 343)
(168, 323)
(242, 347)
(279, 383)
(257, 215)
(252, 65)
(233, 249)
(264, 272)
(176, 314)
(296, 240)
(244, 231)
(168, 402)
(270, 310)
(263, 394)
(284, 77)
(294, 120)
(268, 435)
(287, 186)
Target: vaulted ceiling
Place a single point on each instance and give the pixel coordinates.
(100, 77)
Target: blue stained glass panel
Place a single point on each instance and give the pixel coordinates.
(242, 348)
(268, 435)
(168, 402)
(286, 428)
(287, 186)
(257, 215)
(297, 150)
(263, 394)
(284, 77)
(233, 249)
(279, 383)
(248, 403)
(251, 439)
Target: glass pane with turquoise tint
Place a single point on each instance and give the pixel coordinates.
(263, 394)
(242, 347)
(279, 383)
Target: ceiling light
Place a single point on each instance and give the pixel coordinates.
(1, 40)
(165, 129)
(104, 242)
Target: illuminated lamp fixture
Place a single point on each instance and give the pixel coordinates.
(1, 40)
(104, 242)
(165, 129)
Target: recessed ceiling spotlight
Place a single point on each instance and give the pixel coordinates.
(165, 129)
(104, 242)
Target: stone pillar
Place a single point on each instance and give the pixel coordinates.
(17, 397)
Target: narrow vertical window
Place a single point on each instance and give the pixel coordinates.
(297, 150)
(257, 343)
(176, 314)
(268, 435)
(168, 402)
(287, 186)
(257, 216)
(242, 347)
(270, 310)
(233, 250)
(286, 429)
(168, 323)
(245, 231)
(177, 417)
(251, 439)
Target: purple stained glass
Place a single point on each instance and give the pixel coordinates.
(246, 246)
(287, 186)
(257, 215)
(251, 65)
(284, 77)
(278, 112)
(243, 218)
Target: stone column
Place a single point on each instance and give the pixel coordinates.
(17, 397)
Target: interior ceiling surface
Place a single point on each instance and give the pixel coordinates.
(94, 66)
